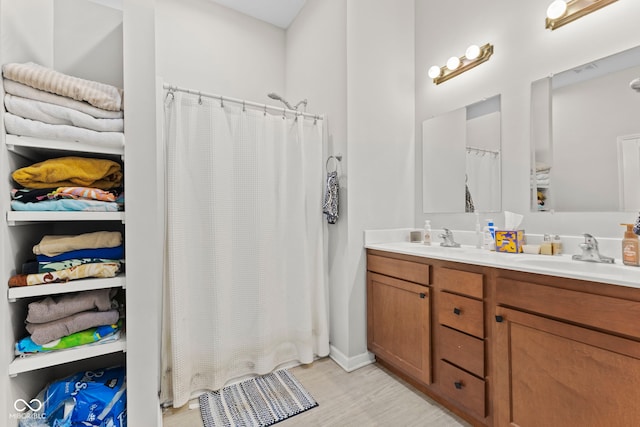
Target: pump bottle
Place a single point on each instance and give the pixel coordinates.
(426, 235)
(630, 247)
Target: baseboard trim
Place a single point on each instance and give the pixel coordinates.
(350, 364)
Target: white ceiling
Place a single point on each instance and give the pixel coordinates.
(277, 12)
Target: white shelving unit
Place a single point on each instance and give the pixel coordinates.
(15, 294)
(85, 39)
(45, 360)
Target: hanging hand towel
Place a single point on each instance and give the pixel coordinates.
(330, 206)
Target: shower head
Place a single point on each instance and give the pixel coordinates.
(277, 97)
(635, 84)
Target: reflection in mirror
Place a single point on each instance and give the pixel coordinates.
(585, 137)
(461, 159)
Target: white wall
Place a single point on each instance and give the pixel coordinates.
(316, 69)
(380, 139)
(353, 59)
(524, 51)
(203, 46)
(91, 47)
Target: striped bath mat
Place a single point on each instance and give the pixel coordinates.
(260, 401)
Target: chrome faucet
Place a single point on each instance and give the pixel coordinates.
(590, 251)
(448, 240)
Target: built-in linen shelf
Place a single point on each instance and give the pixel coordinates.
(28, 217)
(59, 357)
(60, 288)
(38, 148)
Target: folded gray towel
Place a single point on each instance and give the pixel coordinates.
(42, 333)
(59, 307)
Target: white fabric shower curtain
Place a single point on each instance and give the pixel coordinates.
(245, 283)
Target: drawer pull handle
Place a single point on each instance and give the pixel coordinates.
(458, 385)
(499, 319)
(423, 296)
(457, 311)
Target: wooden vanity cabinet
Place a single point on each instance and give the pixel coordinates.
(567, 353)
(459, 344)
(398, 314)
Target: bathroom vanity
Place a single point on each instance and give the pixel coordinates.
(508, 339)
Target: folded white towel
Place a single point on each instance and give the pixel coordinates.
(16, 125)
(57, 115)
(24, 91)
(95, 93)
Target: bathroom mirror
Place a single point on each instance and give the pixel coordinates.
(461, 159)
(585, 137)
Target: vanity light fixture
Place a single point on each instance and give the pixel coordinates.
(562, 12)
(474, 55)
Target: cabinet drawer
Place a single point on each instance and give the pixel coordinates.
(461, 282)
(405, 270)
(462, 350)
(607, 313)
(461, 313)
(462, 387)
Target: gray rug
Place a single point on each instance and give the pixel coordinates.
(257, 402)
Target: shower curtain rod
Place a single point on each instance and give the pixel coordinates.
(482, 150)
(223, 99)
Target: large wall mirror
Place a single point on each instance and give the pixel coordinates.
(461, 159)
(585, 137)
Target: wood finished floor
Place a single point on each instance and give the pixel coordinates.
(369, 396)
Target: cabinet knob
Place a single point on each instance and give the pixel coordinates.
(499, 318)
(423, 296)
(458, 385)
(457, 311)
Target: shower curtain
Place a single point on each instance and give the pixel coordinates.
(245, 275)
(483, 180)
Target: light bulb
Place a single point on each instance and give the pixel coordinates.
(434, 71)
(453, 63)
(557, 9)
(472, 52)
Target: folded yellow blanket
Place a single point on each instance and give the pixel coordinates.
(70, 172)
(57, 244)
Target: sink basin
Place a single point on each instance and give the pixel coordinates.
(561, 264)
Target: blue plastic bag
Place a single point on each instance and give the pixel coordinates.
(86, 399)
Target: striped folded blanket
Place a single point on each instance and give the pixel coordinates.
(97, 94)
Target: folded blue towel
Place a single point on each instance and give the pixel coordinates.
(66, 205)
(106, 253)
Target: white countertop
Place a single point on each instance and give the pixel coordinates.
(554, 265)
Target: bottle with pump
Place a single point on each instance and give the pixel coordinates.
(630, 247)
(479, 237)
(489, 236)
(426, 235)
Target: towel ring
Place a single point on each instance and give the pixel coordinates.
(337, 159)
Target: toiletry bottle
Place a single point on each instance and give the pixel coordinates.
(426, 239)
(488, 232)
(630, 247)
(556, 245)
(546, 248)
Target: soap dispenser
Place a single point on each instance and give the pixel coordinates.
(426, 239)
(489, 236)
(630, 247)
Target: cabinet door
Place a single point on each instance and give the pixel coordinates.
(398, 326)
(551, 373)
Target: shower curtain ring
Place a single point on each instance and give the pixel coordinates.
(315, 119)
(284, 110)
(243, 107)
(265, 109)
(199, 98)
(222, 102)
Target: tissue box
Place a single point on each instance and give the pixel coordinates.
(510, 241)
